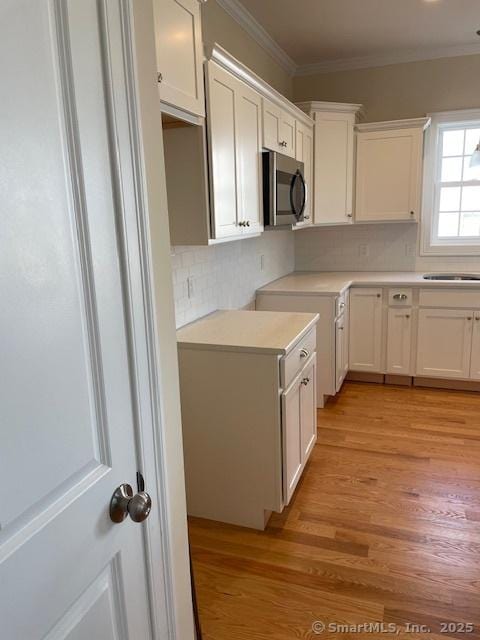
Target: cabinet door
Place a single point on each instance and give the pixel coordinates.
(278, 129)
(341, 351)
(292, 439)
(308, 410)
(366, 313)
(399, 341)
(221, 93)
(444, 343)
(248, 121)
(178, 37)
(334, 151)
(388, 174)
(475, 359)
(304, 153)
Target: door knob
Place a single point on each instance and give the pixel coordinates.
(124, 503)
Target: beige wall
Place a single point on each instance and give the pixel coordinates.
(220, 27)
(401, 90)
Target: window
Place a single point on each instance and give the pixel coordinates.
(451, 207)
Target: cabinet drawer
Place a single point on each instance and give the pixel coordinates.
(291, 364)
(446, 299)
(400, 297)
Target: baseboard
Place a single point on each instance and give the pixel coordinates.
(439, 383)
(403, 381)
(362, 376)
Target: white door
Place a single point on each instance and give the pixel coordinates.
(278, 129)
(341, 351)
(68, 418)
(248, 132)
(399, 341)
(292, 439)
(223, 159)
(444, 343)
(366, 326)
(178, 34)
(388, 176)
(308, 409)
(334, 151)
(475, 359)
(304, 153)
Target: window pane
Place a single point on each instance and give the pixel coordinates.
(471, 199)
(447, 224)
(470, 224)
(453, 142)
(450, 198)
(471, 140)
(470, 173)
(451, 169)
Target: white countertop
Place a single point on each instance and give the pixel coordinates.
(335, 282)
(268, 332)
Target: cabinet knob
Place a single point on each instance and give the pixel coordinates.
(247, 223)
(412, 213)
(407, 316)
(349, 215)
(379, 295)
(469, 318)
(160, 77)
(306, 217)
(304, 353)
(283, 143)
(305, 381)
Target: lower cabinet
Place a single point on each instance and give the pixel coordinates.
(366, 329)
(299, 426)
(399, 341)
(444, 343)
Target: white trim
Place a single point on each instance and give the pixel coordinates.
(330, 107)
(410, 123)
(383, 60)
(427, 246)
(245, 19)
(219, 55)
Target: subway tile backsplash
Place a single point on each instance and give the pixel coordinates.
(226, 276)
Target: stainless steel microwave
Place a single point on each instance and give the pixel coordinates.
(284, 189)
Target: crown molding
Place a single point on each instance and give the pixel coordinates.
(383, 60)
(224, 59)
(245, 19)
(410, 123)
(330, 107)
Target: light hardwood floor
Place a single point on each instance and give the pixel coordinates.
(384, 526)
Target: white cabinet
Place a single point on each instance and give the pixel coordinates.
(304, 153)
(475, 359)
(178, 37)
(334, 160)
(278, 129)
(234, 129)
(299, 426)
(399, 340)
(444, 343)
(341, 350)
(389, 170)
(366, 330)
(308, 409)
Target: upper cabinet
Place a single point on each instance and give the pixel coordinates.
(304, 153)
(389, 170)
(234, 113)
(178, 36)
(334, 160)
(278, 129)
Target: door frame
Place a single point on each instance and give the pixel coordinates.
(133, 113)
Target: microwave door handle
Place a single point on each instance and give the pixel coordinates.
(298, 176)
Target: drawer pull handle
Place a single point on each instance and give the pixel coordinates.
(304, 353)
(400, 296)
(305, 381)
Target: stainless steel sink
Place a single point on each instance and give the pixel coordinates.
(451, 276)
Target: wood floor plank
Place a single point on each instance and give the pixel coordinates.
(383, 527)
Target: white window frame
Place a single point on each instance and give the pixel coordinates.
(429, 243)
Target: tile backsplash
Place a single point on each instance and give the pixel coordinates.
(226, 276)
(376, 247)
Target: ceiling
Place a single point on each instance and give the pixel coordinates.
(313, 31)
